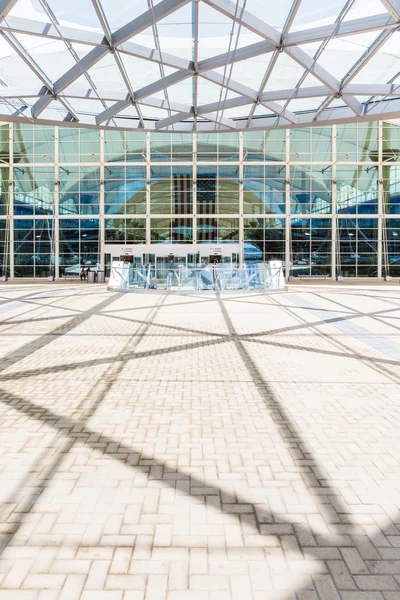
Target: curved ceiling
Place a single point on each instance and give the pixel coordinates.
(199, 65)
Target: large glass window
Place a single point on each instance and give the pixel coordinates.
(172, 230)
(310, 247)
(311, 144)
(217, 147)
(391, 188)
(217, 230)
(33, 190)
(124, 145)
(79, 145)
(4, 246)
(310, 189)
(125, 189)
(217, 189)
(33, 143)
(357, 189)
(264, 189)
(79, 190)
(264, 145)
(79, 244)
(125, 231)
(5, 144)
(391, 247)
(171, 190)
(34, 247)
(211, 163)
(264, 239)
(4, 191)
(357, 140)
(357, 254)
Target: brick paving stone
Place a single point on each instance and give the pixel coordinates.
(200, 447)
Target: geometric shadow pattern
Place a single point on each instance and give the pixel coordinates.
(338, 540)
(202, 65)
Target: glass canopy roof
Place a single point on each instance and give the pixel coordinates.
(206, 65)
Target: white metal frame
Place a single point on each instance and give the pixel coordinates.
(37, 104)
(285, 164)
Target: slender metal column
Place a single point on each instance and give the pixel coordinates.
(56, 215)
(102, 225)
(383, 192)
(287, 208)
(11, 198)
(241, 219)
(334, 207)
(194, 198)
(148, 175)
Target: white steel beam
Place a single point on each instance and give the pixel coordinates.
(147, 19)
(90, 59)
(113, 110)
(366, 57)
(246, 19)
(161, 84)
(392, 6)
(345, 28)
(5, 7)
(235, 56)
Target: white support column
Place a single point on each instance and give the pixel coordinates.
(11, 198)
(194, 199)
(381, 221)
(148, 175)
(56, 215)
(287, 208)
(241, 218)
(102, 203)
(334, 207)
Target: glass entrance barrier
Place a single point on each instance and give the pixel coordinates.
(213, 277)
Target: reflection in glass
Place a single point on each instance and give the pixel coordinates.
(125, 231)
(166, 230)
(310, 189)
(358, 247)
(264, 239)
(310, 247)
(79, 245)
(219, 230)
(391, 247)
(34, 248)
(357, 189)
(33, 190)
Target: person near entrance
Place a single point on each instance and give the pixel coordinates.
(83, 274)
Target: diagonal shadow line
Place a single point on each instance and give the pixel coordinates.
(18, 298)
(305, 324)
(38, 320)
(44, 340)
(70, 366)
(164, 326)
(108, 359)
(372, 316)
(261, 520)
(281, 417)
(324, 351)
(37, 306)
(355, 314)
(108, 380)
(172, 305)
(333, 341)
(342, 305)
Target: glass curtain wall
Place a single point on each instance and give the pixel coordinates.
(325, 201)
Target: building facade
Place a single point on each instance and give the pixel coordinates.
(325, 201)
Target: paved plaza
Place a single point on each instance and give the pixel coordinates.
(199, 446)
